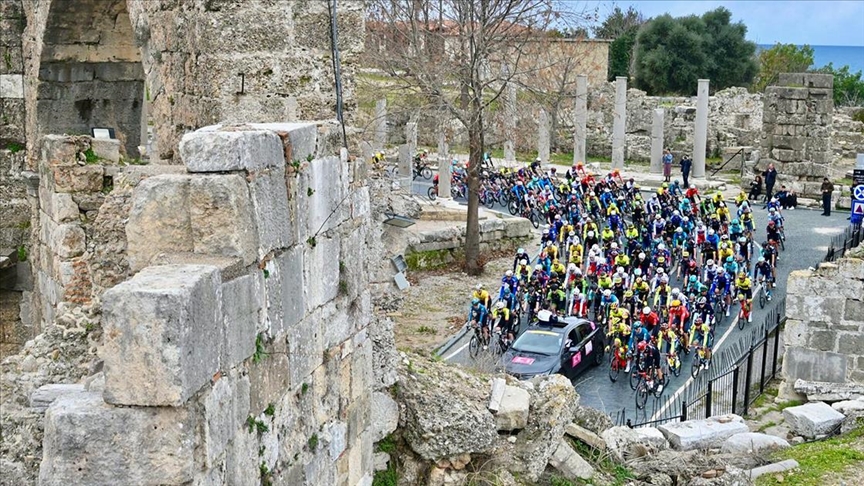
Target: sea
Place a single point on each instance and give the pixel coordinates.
(853, 56)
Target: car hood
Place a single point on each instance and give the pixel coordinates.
(527, 364)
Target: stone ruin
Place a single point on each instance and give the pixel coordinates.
(240, 352)
(797, 125)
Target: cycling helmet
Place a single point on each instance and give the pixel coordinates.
(548, 244)
(523, 262)
(735, 221)
(617, 342)
(508, 273)
(771, 223)
(520, 251)
(499, 304)
(686, 218)
(617, 280)
(742, 239)
(555, 262)
(772, 210)
(679, 230)
(761, 259)
(676, 213)
(711, 231)
(702, 301)
(538, 267)
(664, 279)
(641, 254)
(646, 310)
(590, 234)
(613, 245)
(660, 271)
(479, 286)
(676, 303)
(724, 237)
(641, 346)
(693, 279)
(637, 272)
(729, 259)
(721, 270)
(628, 293)
(557, 217)
(710, 262)
(676, 291)
(475, 301)
(607, 293)
(661, 246)
(572, 233)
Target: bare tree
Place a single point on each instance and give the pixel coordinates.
(451, 52)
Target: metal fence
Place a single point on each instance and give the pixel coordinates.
(840, 244)
(736, 378)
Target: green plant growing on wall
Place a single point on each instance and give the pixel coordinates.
(22, 253)
(13, 146)
(260, 352)
(90, 156)
(313, 442)
(270, 410)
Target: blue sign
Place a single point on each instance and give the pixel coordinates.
(858, 193)
(857, 212)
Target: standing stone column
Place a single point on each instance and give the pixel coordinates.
(700, 138)
(619, 122)
(543, 136)
(510, 123)
(411, 137)
(443, 166)
(380, 124)
(657, 141)
(580, 131)
(406, 168)
(405, 159)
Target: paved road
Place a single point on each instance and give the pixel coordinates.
(808, 234)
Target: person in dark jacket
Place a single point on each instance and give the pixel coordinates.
(827, 188)
(686, 165)
(756, 188)
(770, 176)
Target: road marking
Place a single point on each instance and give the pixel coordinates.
(454, 353)
(732, 326)
(828, 230)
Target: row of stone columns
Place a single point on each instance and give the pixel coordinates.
(579, 133)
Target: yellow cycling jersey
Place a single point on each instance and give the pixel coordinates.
(612, 210)
(744, 284)
(481, 294)
(552, 251)
(559, 269)
(669, 336)
(632, 234)
(641, 287)
(725, 253)
(604, 283)
(622, 260)
(704, 329)
(505, 313)
(608, 234)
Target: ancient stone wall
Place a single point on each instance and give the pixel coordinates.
(824, 334)
(240, 352)
(797, 125)
(201, 62)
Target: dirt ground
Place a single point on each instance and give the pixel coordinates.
(436, 304)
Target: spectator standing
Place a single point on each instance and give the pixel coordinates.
(756, 188)
(827, 189)
(667, 164)
(770, 176)
(686, 165)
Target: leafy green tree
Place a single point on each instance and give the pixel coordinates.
(621, 27)
(848, 87)
(782, 58)
(673, 53)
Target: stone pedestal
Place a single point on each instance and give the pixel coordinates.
(700, 138)
(543, 137)
(657, 141)
(619, 122)
(380, 124)
(581, 108)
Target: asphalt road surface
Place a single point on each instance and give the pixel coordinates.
(807, 237)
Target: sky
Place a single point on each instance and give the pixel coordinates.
(818, 23)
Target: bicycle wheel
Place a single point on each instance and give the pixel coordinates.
(432, 193)
(426, 172)
(762, 298)
(783, 244)
(613, 370)
(489, 200)
(535, 220)
(513, 208)
(635, 377)
(642, 396)
(517, 324)
(676, 370)
(741, 319)
(696, 366)
(474, 346)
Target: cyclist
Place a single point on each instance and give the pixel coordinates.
(764, 274)
(731, 266)
(481, 294)
(678, 315)
(746, 307)
(477, 316)
(502, 317)
(637, 335)
(700, 337)
(721, 287)
(703, 311)
(652, 361)
(557, 299)
(650, 320)
(523, 271)
(508, 283)
(521, 254)
(744, 284)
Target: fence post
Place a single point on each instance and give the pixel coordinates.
(764, 364)
(708, 399)
(780, 309)
(748, 380)
(683, 410)
(734, 388)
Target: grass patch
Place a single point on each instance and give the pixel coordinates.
(766, 426)
(388, 477)
(14, 147)
(90, 156)
(817, 460)
(620, 474)
(789, 403)
(387, 444)
(426, 330)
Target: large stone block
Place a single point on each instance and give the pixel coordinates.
(321, 272)
(321, 194)
(162, 335)
(11, 86)
(569, 463)
(305, 349)
(812, 419)
(290, 297)
(69, 240)
(45, 395)
(226, 407)
(242, 306)
(512, 412)
(221, 217)
(108, 150)
(385, 415)
(750, 442)
(812, 365)
(159, 220)
(829, 391)
(90, 442)
(703, 434)
(223, 150)
(78, 178)
(625, 443)
(270, 207)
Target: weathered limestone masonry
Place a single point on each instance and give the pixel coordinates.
(14, 207)
(87, 62)
(824, 334)
(797, 122)
(240, 352)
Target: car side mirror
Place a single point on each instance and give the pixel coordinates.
(573, 349)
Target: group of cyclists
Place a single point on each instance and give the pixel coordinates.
(657, 270)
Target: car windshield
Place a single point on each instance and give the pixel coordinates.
(541, 342)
